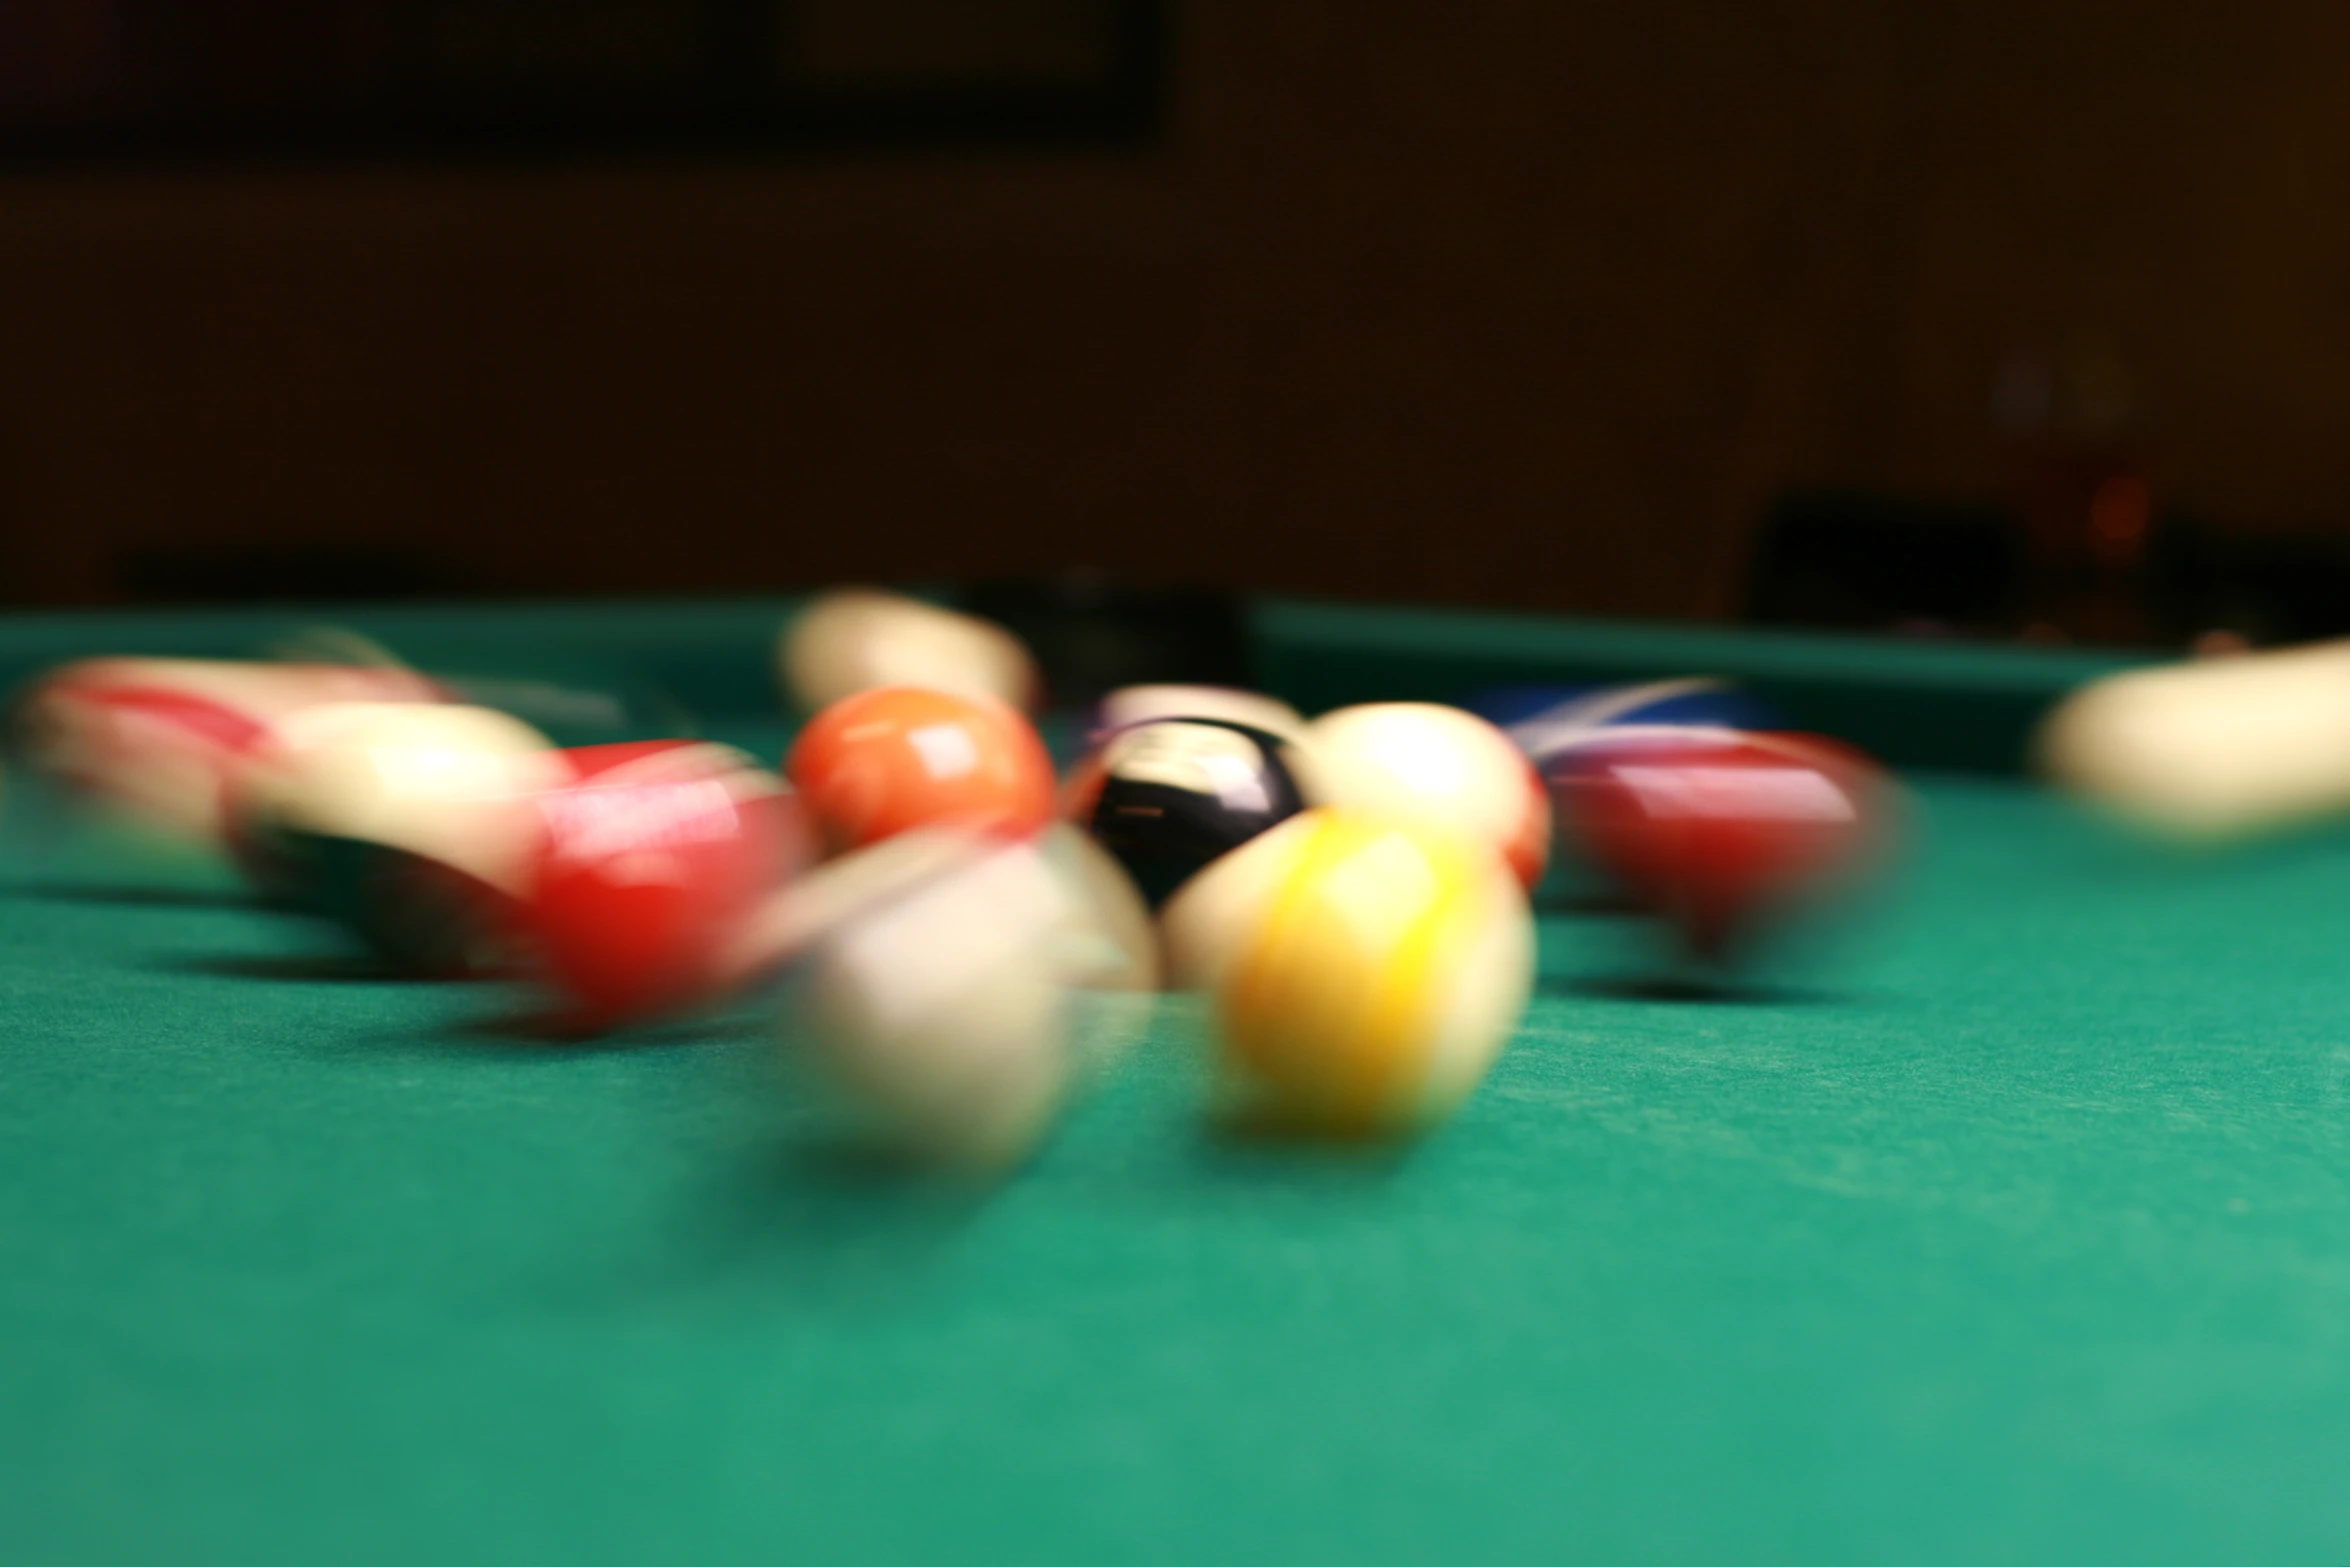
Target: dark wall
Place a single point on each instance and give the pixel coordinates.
(1506, 302)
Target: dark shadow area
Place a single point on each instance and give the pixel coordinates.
(868, 1166)
(1597, 903)
(1260, 1145)
(102, 896)
(537, 1032)
(754, 296)
(490, 79)
(1865, 561)
(296, 967)
(1091, 635)
(1857, 562)
(1686, 989)
(295, 574)
(825, 1215)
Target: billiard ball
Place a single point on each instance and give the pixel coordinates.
(602, 703)
(1203, 924)
(2213, 748)
(859, 639)
(1368, 973)
(1437, 764)
(899, 757)
(1168, 795)
(1129, 705)
(409, 823)
(1106, 956)
(152, 743)
(1545, 720)
(792, 921)
(955, 986)
(1106, 939)
(645, 865)
(941, 1010)
(1727, 836)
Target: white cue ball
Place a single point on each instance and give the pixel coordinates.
(857, 639)
(1103, 937)
(942, 1011)
(803, 912)
(1437, 764)
(1108, 940)
(2214, 748)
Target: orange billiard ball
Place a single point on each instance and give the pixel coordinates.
(884, 761)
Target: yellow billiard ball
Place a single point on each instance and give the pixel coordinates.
(1366, 969)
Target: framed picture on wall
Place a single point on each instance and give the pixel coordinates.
(149, 78)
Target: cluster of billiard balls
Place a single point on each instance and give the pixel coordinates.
(1352, 894)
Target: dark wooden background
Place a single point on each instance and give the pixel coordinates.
(1500, 302)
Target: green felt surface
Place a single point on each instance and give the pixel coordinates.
(2024, 1239)
(2030, 1244)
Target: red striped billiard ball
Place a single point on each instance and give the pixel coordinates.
(1725, 834)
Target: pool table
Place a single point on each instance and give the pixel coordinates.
(2023, 1238)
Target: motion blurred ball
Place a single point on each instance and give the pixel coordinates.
(645, 866)
(1377, 968)
(858, 639)
(1725, 835)
(1107, 938)
(1130, 705)
(803, 913)
(1167, 796)
(2212, 749)
(1204, 923)
(1435, 764)
(1104, 940)
(941, 1010)
(884, 762)
(155, 742)
(410, 823)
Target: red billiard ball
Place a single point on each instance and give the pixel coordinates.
(885, 761)
(1724, 834)
(647, 863)
(158, 743)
